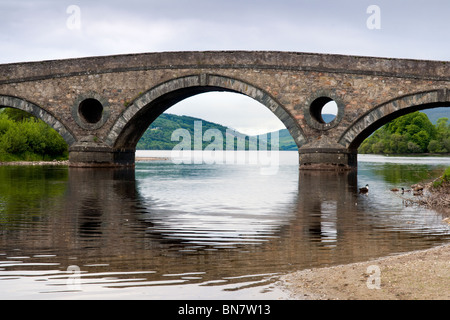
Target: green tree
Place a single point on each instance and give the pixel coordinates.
(412, 133)
(16, 115)
(443, 134)
(24, 137)
(13, 141)
(422, 139)
(414, 148)
(435, 147)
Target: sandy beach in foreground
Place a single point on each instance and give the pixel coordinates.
(419, 275)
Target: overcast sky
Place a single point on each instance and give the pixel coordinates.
(42, 30)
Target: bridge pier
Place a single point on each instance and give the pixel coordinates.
(102, 157)
(335, 159)
(99, 156)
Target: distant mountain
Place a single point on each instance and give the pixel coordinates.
(158, 135)
(285, 140)
(435, 114)
(287, 143)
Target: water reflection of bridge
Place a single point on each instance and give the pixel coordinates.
(106, 222)
(103, 223)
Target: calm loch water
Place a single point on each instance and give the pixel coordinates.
(168, 230)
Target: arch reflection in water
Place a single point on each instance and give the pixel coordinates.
(216, 206)
(196, 207)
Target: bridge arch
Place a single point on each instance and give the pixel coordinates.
(133, 122)
(40, 113)
(365, 125)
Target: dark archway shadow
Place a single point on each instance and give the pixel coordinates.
(38, 112)
(368, 123)
(133, 122)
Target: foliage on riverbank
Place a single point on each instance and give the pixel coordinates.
(439, 193)
(412, 133)
(25, 138)
(435, 194)
(443, 181)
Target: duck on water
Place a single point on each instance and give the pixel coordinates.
(364, 189)
(416, 189)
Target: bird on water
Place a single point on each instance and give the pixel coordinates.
(364, 189)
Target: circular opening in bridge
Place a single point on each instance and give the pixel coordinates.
(91, 110)
(324, 110)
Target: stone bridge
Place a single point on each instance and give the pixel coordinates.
(101, 106)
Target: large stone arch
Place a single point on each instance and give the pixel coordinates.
(365, 125)
(133, 122)
(38, 112)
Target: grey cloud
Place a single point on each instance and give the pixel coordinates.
(409, 28)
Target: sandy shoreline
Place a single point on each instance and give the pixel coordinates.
(418, 275)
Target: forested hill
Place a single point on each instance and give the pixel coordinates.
(158, 136)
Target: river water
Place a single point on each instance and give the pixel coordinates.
(178, 230)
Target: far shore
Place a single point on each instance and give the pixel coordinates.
(151, 159)
(35, 163)
(422, 154)
(140, 159)
(66, 162)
